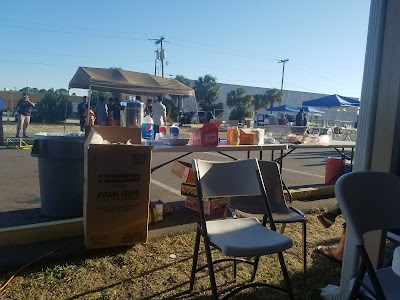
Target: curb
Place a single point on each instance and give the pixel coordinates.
(312, 193)
(34, 233)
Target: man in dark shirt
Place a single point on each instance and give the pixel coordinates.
(81, 110)
(116, 112)
(300, 118)
(24, 108)
(148, 110)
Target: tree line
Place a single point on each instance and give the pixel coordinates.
(55, 107)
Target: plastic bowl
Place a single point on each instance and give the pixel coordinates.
(176, 142)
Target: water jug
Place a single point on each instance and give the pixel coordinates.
(148, 127)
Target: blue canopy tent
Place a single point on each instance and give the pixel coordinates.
(285, 107)
(312, 110)
(353, 102)
(332, 101)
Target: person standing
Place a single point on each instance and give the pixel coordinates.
(24, 108)
(159, 114)
(110, 110)
(81, 110)
(301, 119)
(116, 112)
(304, 120)
(101, 112)
(148, 110)
(89, 117)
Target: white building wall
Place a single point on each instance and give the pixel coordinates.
(294, 98)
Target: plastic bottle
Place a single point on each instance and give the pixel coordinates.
(234, 137)
(174, 131)
(148, 127)
(159, 209)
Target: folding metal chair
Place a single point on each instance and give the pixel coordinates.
(369, 201)
(281, 213)
(243, 239)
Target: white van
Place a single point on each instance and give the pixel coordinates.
(266, 119)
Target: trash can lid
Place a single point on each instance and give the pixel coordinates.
(61, 136)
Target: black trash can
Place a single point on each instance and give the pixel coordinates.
(60, 160)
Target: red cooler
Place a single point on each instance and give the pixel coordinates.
(334, 169)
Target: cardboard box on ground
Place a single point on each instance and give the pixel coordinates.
(211, 205)
(188, 188)
(117, 188)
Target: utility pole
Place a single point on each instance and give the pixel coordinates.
(162, 52)
(283, 61)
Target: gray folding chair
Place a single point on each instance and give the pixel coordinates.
(241, 240)
(369, 202)
(281, 213)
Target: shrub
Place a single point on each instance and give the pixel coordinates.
(52, 107)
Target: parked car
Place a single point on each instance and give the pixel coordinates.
(203, 117)
(266, 119)
(291, 118)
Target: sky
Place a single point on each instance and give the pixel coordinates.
(43, 42)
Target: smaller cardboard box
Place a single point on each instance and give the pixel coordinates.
(183, 170)
(211, 206)
(206, 136)
(247, 136)
(188, 189)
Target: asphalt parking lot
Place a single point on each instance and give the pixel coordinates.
(20, 180)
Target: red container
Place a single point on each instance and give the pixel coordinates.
(162, 130)
(333, 169)
(283, 122)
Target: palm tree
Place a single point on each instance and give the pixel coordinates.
(241, 103)
(273, 96)
(207, 92)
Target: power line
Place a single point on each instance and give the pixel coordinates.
(71, 55)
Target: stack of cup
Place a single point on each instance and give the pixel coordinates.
(163, 131)
(159, 209)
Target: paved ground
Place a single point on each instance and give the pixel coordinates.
(20, 201)
(20, 179)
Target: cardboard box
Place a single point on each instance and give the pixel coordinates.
(206, 136)
(211, 206)
(247, 136)
(117, 189)
(183, 170)
(188, 189)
